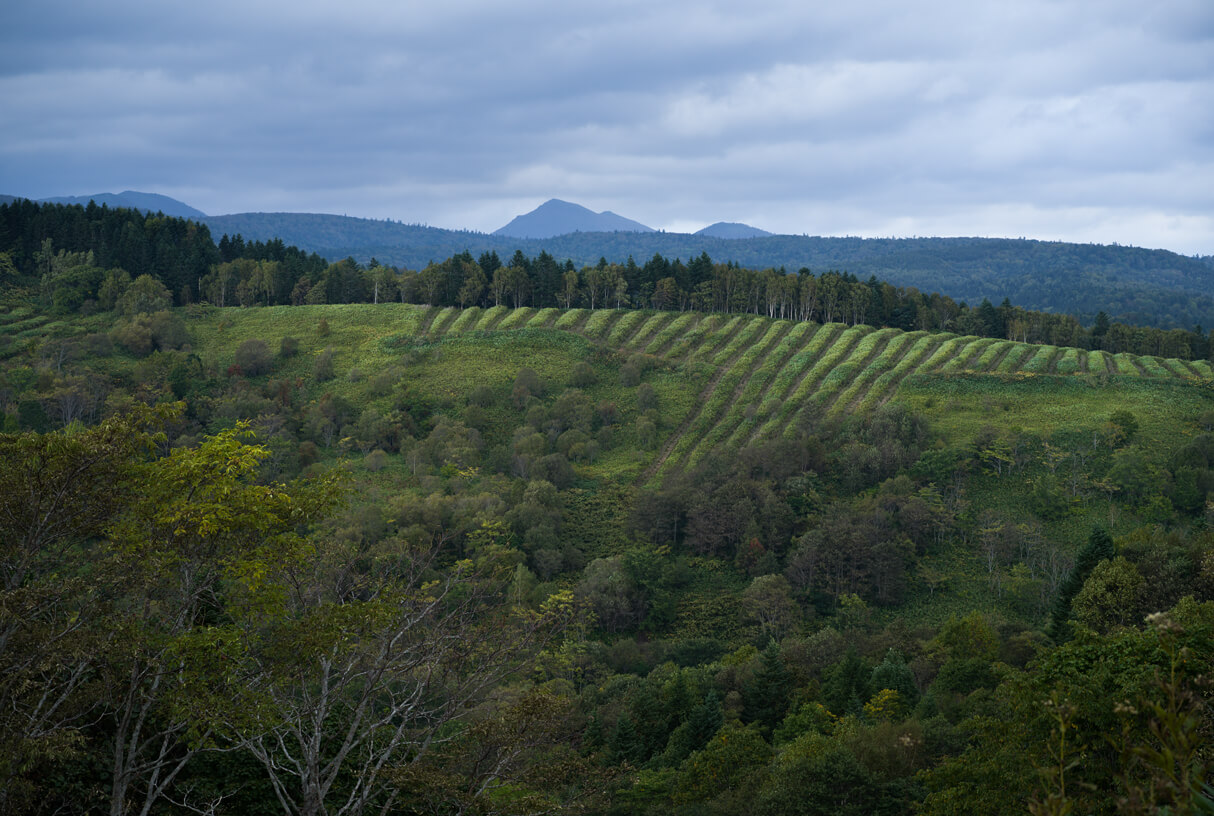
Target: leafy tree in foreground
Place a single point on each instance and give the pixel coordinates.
(369, 662)
(196, 532)
(56, 491)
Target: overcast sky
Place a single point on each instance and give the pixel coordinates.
(1082, 121)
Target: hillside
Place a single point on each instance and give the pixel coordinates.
(726, 381)
(145, 202)
(633, 550)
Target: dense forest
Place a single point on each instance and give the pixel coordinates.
(79, 258)
(1133, 285)
(280, 535)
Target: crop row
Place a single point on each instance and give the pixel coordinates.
(768, 372)
(708, 432)
(743, 415)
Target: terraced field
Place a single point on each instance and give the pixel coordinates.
(765, 376)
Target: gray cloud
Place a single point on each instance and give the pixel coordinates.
(1050, 119)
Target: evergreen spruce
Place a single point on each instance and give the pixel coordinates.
(1099, 547)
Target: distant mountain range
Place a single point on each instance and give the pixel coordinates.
(147, 202)
(1133, 285)
(555, 217)
(1138, 286)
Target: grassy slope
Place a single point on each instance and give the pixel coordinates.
(445, 355)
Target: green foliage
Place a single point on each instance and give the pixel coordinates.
(254, 357)
(945, 563)
(1099, 547)
(1110, 596)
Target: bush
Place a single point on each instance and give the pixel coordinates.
(288, 348)
(134, 336)
(145, 296)
(323, 369)
(253, 357)
(168, 331)
(308, 453)
(482, 395)
(630, 374)
(647, 398)
(583, 375)
(526, 385)
(382, 383)
(376, 460)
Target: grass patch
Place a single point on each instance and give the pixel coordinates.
(988, 357)
(569, 319)
(745, 335)
(1125, 365)
(648, 329)
(1039, 363)
(466, 320)
(490, 318)
(679, 326)
(543, 318)
(598, 322)
(694, 337)
(1068, 363)
(516, 318)
(625, 327)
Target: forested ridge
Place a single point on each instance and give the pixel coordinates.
(1148, 287)
(480, 538)
(77, 259)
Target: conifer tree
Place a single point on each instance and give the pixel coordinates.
(1099, 547)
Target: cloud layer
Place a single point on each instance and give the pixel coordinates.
(1043, 118)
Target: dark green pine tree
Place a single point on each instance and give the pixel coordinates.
(1099, 548)
(766, 696)
(893, 673)
(701, 725)
(678, 700)
(651, 723)
(626, 745)
(1100, 327)
(846, 689)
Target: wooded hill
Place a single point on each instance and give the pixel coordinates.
(818, 561)
(412, 558)
(1132, 285)
(78, 259)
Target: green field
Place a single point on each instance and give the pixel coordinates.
(754, 374)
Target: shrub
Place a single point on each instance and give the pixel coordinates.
(134, 336)
(308, 453)
(482, 396)
(526, 385)
(323, 368)
(583, 375)
(376, 460)
(647, 398)
(288, 348)
(254, 358)
(630, 374)
(168, 331)
(145, 296)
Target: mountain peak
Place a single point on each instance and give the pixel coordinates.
(132, 199)
(556, 217)
(731, 229)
